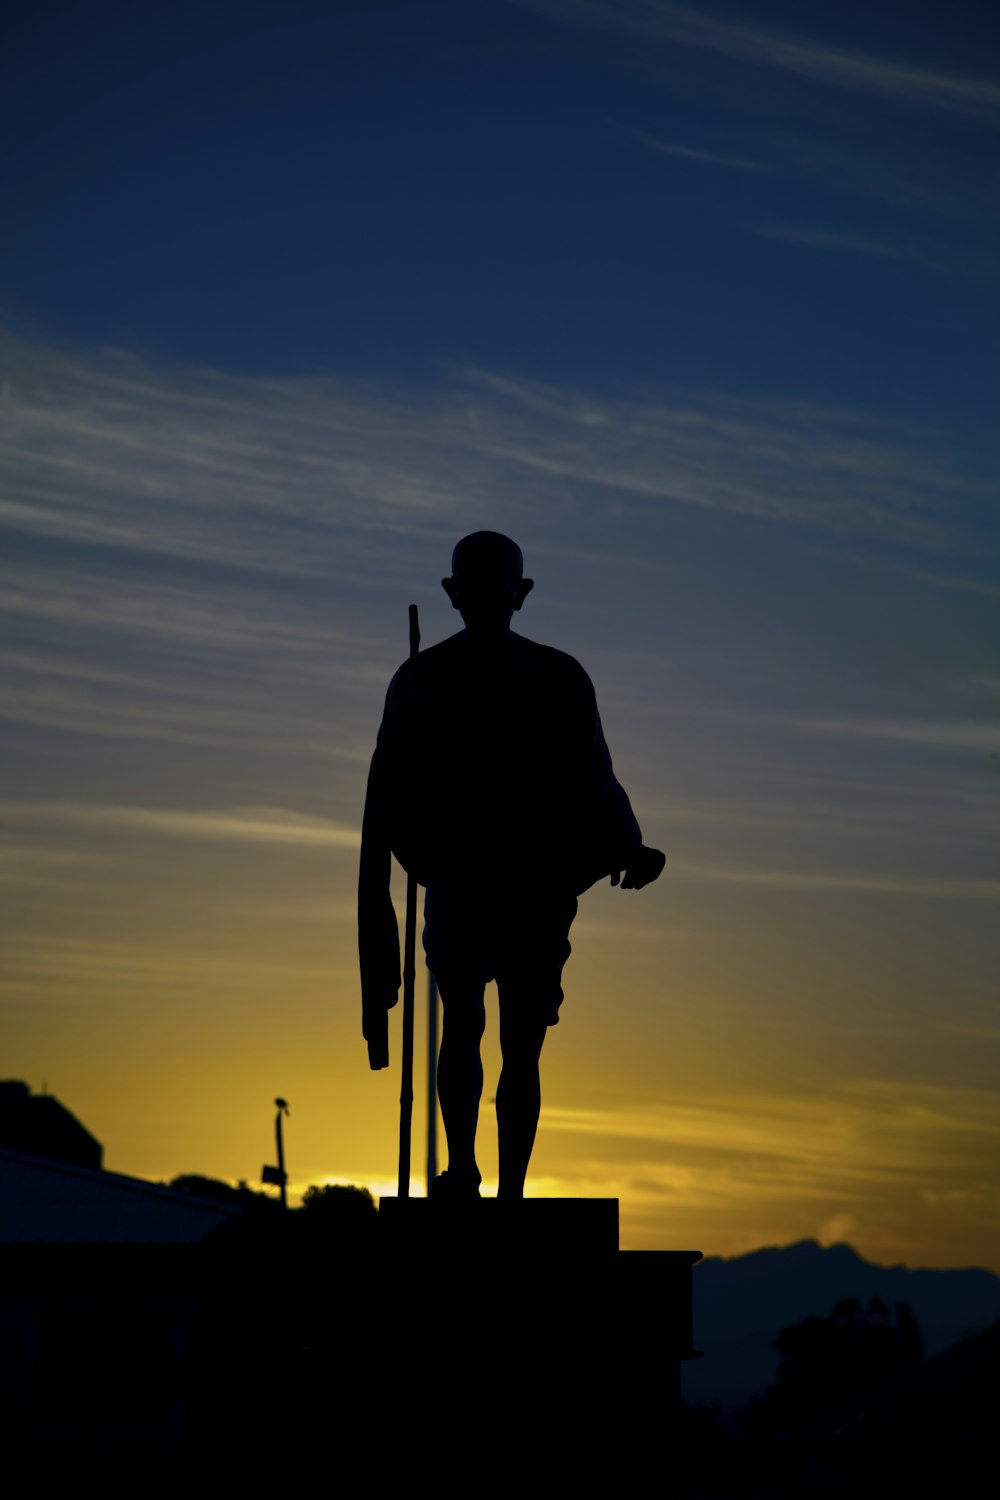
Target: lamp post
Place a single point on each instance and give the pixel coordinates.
(277, 1176)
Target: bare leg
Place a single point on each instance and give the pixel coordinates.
(519, 1100)
(460, 1085)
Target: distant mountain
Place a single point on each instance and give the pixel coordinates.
(741, 1305)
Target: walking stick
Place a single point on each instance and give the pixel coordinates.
(409, 979)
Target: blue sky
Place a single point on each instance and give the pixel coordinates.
(630, 192)
(698, 303)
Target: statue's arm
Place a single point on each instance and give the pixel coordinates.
(620, 832)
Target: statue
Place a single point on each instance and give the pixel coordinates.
(492, 784)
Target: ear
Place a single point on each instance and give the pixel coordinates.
(448, 584)
(523, 590)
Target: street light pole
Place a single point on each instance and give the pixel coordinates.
(277, 1176)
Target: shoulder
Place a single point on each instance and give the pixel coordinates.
(434, 663)
(441, 666)
(556, 666)
(444, 654)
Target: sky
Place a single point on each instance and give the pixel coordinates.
(699, 303)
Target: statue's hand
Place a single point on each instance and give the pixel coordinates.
(376, 1032)
(378, 1053)
(644, 866)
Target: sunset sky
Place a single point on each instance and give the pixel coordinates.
(697, 302)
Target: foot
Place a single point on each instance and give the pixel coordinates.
(452, 1189)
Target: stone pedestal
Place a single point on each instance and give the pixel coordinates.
(524, 1327)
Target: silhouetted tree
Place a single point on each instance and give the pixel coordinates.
(240, 1196)
(831, 1366)
(339, 1210)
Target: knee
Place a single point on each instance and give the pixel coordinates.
(463, 1024)
(521, 1042)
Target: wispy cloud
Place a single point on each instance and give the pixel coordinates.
(858, 806)
(844, 244)
(952, 581)
(689, 153)
(763, 46)
(25, 864)
(40, 961)
(155, 717)
(981, 1033)
(933, 734)
(207, 669)
(825, 882)
(736, 1170)
(865, 1131)
(289, 479)
(245, 473)
(696, 154)
(912, 838)
(778, 461)
(255, 825)
(82, 596)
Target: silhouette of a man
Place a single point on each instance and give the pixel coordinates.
(491, 782)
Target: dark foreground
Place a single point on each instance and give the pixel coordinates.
(490, 1348)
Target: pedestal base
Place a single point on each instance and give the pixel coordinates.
(571, 1229)
(525, 1319)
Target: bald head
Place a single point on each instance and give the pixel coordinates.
(487, 583)
(486, 555)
